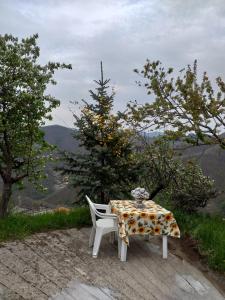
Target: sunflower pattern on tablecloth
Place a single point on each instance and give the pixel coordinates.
(153, 219)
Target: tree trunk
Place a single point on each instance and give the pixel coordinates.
(4, 201)
(156, 191)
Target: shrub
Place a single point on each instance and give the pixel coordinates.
(191, 189)
(164, 171)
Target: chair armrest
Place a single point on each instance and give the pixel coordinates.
(106, 216)
(103, 207)
(110, 216)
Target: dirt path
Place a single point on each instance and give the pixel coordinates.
(58, 265)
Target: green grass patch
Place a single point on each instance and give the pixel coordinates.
(209, 231)
(20, 225)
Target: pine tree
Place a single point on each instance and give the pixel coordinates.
(104, 169)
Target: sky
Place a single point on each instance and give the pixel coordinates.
(122, 34)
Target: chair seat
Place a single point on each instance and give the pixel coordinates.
(106, 223)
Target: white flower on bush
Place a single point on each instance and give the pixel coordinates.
(140, 193)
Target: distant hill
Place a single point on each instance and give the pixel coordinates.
(152, 134)
(211, 158)
(62, 137)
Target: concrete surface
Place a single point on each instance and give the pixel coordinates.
(58, 266)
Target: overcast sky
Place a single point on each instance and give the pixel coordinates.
(121, 33)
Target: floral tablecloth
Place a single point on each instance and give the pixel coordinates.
(153, 219)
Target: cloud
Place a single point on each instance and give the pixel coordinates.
(122, 34)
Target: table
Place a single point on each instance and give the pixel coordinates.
(151, 220)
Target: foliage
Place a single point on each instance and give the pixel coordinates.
(186, 106)
(105, 168)
(24, 107)
(163, 170)
(191, 188)
(20, 225)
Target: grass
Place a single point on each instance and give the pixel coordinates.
(209, 232)
(20, 225)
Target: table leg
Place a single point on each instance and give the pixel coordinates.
(146, 237)
(164, 246)
(123, 251)
(119, 247)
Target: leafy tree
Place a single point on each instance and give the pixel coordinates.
(104, 169)
(23, 108)
(184, 105)
(163, 171)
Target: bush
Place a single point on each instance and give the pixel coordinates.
(191, 189)
(164, 171)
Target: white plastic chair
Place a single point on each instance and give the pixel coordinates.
(106, 224)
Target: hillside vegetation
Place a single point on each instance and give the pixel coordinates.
(210, 158)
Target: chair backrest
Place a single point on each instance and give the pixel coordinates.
(92, 210)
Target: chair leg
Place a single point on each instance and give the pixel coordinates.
(97, 242)
(164, 246)
(123, 251)
(112, 237)
(92, 237)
